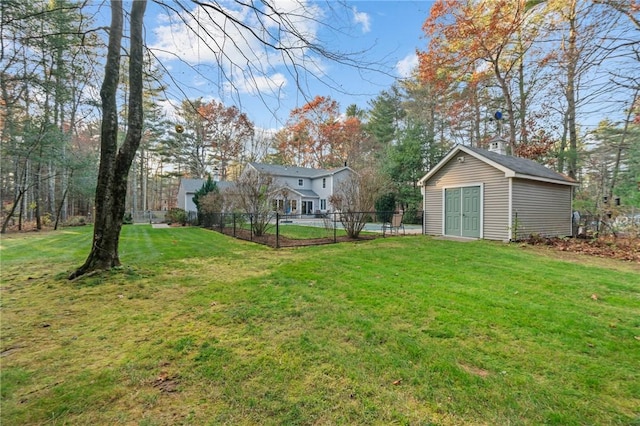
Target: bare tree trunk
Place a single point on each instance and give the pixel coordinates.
(563, 145)
(621, 146)
(111, 189)
(63, 201)
(524, 136)
(59, 211)
(51, 188)
(36, 192)
(570, 94)
(17, 202)
(475, 136)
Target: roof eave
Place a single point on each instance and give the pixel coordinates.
(543, 179)
(438, 166)
(456, 149)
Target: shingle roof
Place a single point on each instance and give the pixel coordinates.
(305, 193)
(292, 171)
(193, 185)
(521, 165)
(511, 166)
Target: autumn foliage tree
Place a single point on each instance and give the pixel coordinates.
(316, 135)
(226, 129)
(472, 37)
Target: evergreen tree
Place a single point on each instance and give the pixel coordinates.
(208, 187)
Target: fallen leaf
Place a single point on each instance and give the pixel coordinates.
(397, 382)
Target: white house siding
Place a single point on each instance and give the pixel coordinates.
(337, 181)
(469, 172)
(323, 193)
(541, 208)
(292, 182)
(186, 191)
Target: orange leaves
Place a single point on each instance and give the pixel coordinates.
(461, 34)
(225, 128)
(318, 106)
(317, 136)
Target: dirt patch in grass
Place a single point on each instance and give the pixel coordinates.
(165, 383)
(476, 371)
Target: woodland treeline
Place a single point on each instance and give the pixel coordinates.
(564, 74)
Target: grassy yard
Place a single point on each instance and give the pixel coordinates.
(302, 232)
(199, 328)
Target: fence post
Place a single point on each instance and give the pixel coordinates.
(251, 226)
(234, 224)
(277, 230)
(335, 240)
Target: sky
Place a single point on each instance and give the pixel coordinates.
(379, 38)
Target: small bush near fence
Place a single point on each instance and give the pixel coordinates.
(280, 230)
(177, 215)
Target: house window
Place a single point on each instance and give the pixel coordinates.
(294, 205)
(324, 182)
(323, 204)
(300, 182)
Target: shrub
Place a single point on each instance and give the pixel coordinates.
(210, 208)
(177, 215)
(76, 221)
(46, 219)
(412, 215)
(385, 206)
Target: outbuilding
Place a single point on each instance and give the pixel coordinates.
(478, 193)
(187, 190)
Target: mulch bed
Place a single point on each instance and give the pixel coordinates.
(270, 239)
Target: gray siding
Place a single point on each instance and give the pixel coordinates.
(541, 208)
(471, 171)
(181, 197)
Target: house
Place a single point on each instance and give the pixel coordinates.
(187, 190)
(306, 191)
(477, 193)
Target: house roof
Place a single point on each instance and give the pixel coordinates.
(511, 166)
(304, 192)
(193, 185)
(292, 171)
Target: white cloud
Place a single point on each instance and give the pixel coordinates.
(274, 83)
(239, 60)
(363, 19)
(407, 65)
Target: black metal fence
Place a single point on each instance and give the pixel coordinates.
(285, 230)
(587, 225)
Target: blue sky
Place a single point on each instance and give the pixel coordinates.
(385, 33)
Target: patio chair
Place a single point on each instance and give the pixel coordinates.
(394, 226)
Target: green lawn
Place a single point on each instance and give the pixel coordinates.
(305, 232)
(198, 328)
